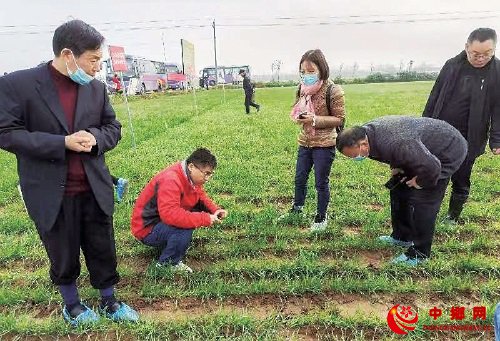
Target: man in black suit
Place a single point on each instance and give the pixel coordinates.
(466, 96)
(248, 87)
(58, 122)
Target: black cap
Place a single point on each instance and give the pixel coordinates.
(241, 71)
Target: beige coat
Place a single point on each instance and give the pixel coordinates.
(325, 133)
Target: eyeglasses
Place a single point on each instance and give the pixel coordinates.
(486, 55)
(206, 174)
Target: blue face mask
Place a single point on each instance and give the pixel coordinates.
(79, 76)
(310, 79)
(359, 158)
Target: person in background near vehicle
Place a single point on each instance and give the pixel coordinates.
(118, 83)
(318, 121)
(173, 204)
(423, 154)
(466, 95)
(57, 120)
(249, 89)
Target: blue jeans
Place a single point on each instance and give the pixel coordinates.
(321, 158)
(496, 320)
(173, 241)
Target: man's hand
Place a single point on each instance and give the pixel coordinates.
(91, 138)
(413, 183)
(78, 143)
(221, 214)
(496, 151)
(395, 171)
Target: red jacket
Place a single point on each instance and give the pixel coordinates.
(117, 82)
(170, 197)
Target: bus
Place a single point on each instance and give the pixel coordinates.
(175, 79)
(226, 75)
(147, 75)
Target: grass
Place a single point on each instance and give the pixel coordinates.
(256, 278)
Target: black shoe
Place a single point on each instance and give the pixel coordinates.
(291, 214)
(457, 202)
(319, 218)
(258, 108)
(320, 223)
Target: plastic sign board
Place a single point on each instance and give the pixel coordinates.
(188, 58)
(118, 62)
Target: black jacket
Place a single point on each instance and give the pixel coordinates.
(33, 127)
(485, 104)
(424, 147)
(247, 86)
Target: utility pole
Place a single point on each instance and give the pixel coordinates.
(215, 56)
(163, 43)
(276, 66)
(354, 69)
(410, 64)
(340, 69)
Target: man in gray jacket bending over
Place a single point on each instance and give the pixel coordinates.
(423, 154)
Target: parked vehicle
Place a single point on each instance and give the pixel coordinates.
(226, 75)
(174, 79)
(147, 75)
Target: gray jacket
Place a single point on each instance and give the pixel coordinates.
(428, 148)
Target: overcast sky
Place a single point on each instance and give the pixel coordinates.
(254, 32)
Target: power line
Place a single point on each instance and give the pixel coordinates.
(489, 15)
(360, 22)
(253, 18)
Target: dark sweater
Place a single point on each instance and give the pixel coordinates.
(424, 147)
(76, 181)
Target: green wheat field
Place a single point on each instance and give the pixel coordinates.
(255, 278)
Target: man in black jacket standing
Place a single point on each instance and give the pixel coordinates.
(423, 154)
(466, 95)
(58, 121)
(248, 87)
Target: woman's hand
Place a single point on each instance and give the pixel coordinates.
(306, 118)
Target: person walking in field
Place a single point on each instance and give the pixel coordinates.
(249, 89)
(173, 204)
(319, 110)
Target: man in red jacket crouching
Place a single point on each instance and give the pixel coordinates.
(173, 204)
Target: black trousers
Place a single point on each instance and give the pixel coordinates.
(81, 224)
(460, 180)
(249, 103)
(413, 213)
